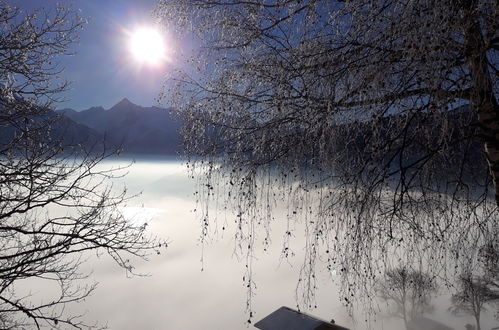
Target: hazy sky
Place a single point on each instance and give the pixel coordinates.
(102, 71)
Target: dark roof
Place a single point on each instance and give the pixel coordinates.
(288, 319)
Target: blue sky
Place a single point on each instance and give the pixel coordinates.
(102, 72)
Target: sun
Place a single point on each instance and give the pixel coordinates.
(147, 46)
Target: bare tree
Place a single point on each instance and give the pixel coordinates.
(410, 290)
(376, 121)
(55, 203)
(471, 297)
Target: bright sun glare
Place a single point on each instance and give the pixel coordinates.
(147, 46)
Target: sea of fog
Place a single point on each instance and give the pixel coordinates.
(181, 292)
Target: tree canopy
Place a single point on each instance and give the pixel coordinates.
(376, 120)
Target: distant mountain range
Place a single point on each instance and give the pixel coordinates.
(135, 129)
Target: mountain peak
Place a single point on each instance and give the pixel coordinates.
(124, 102)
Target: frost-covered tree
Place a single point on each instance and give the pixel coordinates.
(376, 120)
(55, 202)
(489, 257)
(471, 296)
(409, 290)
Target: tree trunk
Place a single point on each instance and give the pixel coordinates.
(483, 98)
(404, 310)
(477, 318)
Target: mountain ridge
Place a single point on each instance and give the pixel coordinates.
(133, 128)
